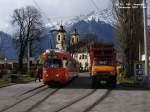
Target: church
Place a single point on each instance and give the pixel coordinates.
(70, 44)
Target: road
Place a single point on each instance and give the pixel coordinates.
(78, 96)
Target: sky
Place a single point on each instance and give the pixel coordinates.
(51, 9)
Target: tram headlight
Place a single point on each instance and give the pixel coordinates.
(112, 73)
(57, 75)
(45, 73)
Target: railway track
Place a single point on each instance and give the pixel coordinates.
(28, 95)
(75, 101)
(31, 99)
(31, 90)
(39, 102)
(84, 97)
(97, 101)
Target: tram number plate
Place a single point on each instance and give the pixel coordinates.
(103, 82)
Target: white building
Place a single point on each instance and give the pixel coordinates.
(143, 57)
(84, 59)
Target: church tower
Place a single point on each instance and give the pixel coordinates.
(74, 38)
(61, 40)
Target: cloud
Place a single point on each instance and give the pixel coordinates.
(52, 9)
(55, 9)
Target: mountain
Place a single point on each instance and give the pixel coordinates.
(100, 22)
(103, 15)
(48, 39)
(7, 47)
(103, 30)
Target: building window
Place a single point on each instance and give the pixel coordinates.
(77, 40)
(80, 57)
(58, 37)
(72, 40)
(85, 56)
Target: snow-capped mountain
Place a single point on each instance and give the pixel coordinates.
(105, 15)
(98, 22)
(103, 30)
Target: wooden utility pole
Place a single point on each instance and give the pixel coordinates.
(146, 42)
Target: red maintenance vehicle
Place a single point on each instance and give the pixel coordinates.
(103, 64)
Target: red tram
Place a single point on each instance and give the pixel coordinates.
(59, 67)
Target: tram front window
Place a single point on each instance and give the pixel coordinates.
(103, 62)
(53, 63)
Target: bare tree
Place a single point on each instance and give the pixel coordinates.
(28, 23)
(129, 31)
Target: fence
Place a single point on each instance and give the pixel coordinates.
(5, 68)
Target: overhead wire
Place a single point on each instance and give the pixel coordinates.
(63, 17)
(94, 4)
(36, 4)
(102, 13)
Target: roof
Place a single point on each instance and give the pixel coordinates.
(61, 29)
(102, 45)
(56, 52)
(75, 32)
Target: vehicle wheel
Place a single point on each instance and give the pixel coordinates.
(77, 76)
(94, 83)
(113, 82)
(114, 85)
(49, 85)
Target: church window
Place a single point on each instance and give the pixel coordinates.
(58, 37)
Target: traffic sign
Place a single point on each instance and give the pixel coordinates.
(139, 71)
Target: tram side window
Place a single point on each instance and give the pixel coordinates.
(65, 63)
